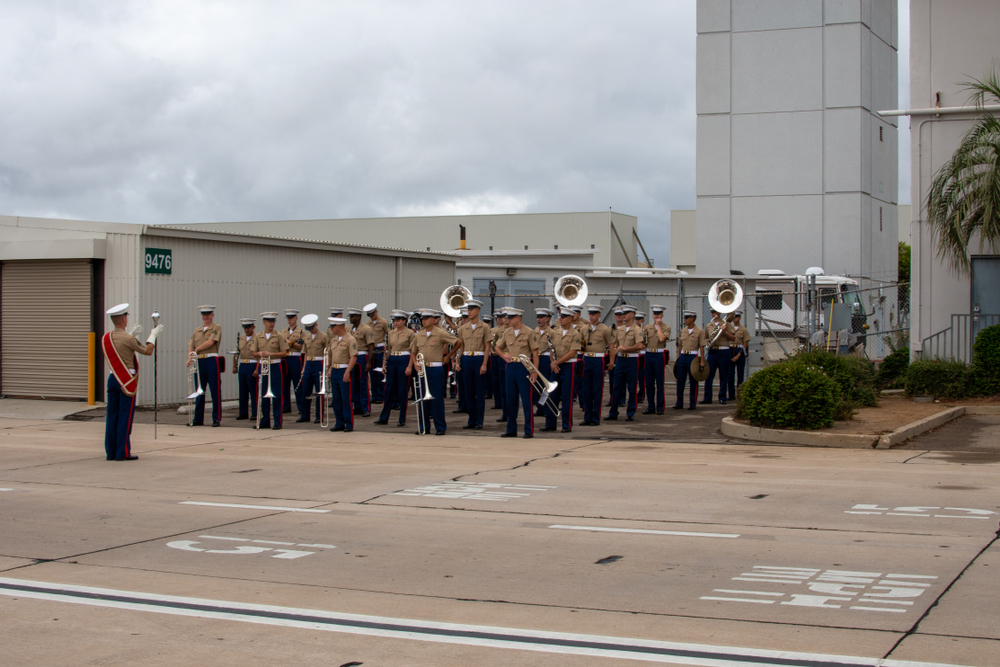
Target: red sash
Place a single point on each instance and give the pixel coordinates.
(128, 382)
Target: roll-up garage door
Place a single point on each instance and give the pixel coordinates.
(46, 313)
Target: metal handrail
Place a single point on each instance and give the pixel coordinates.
(956, 341)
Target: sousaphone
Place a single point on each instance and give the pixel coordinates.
(453, 299)
(571, 291)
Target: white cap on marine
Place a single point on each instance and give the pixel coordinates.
(120, 309)
(337, 320)
(206, 309)
(310, 319)
(247, 321)
(370, 308)
(690, 313)
(291, 312)
(269, 316)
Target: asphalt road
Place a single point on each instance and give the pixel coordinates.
(234, 547)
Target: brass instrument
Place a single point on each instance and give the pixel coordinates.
(321, 408)
(194, 384)
(725, 297)
(453, 299)
(571, 290)
(264, 371)
(420, 378)
(542, 385)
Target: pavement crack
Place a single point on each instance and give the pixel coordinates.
(916, 456)
(916, 625)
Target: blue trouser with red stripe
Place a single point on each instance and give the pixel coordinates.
(437, 377)
(544, 369)
(641, 375)
(519, 387)
(593, 388)
(311, 385)
(474, 388)
(397, 386)
(208, 374)
(290, 385)
(118, 422)
(656, 364)
(272, 405)
(718, 359)
(248, 391)
(564, 396)
(375, 379)
(684, 362)
(342, 401)
(361, 398)
(626, 378)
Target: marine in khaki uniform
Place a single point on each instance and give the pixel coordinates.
(628, 343)
(566, 344)
(657, 360)
(342, 349)
(313, 348)
(204, 343)
(292, 363)
(270, 344)
(519, 339)
(245, 366)
(544, 318)
(740, 349)
(436, 345)
(690, 341)
(380, 329)
(498, 367)
(475, 336)
(365, 338)
(720, 357)
(598, 348)
(397, 367)
(119, 349)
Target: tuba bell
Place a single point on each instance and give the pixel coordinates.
(571, 290)
(453, 299)
(724, 297)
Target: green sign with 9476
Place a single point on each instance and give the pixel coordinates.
(158, 260)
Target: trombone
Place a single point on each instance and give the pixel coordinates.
(264, 371)
(420, 378)
(194, 379)
(321, 407)
(725, 297)
(542, 385)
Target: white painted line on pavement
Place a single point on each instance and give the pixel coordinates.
(253, 507)
(6, 489)
(449, 633)
(600, 529)
(285, 544)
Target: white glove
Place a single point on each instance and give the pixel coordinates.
(136, 331)
(154, 333)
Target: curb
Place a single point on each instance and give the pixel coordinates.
(226, 405)
(733, 429)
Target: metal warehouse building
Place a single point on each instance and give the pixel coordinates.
(57, 278)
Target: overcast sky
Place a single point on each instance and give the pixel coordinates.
(200, 111)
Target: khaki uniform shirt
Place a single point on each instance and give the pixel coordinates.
(292, 335)
(524, 342)
(273, 345)
(495, 334)
(565, 342)
(202, 334)
(432, 344)
(246, 348)
(712, 328)
(627, 337)
(742, 336)
(597, 338)
(380, 329)
(691, 341)
(475, 340)
(543, 336)
(127, 347)
(363, 336)
(314, 344)
(400, 340)
(653, 343)
(342, 349)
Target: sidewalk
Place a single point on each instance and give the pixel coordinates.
(21, 408)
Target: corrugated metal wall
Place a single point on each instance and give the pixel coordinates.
(245, 279)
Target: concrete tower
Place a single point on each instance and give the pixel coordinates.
(795, 169)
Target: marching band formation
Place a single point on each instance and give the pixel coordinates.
(421, 357)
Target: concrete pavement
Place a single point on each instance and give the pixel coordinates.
(383, 548)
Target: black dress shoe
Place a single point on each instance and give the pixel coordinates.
(286, 411)
(706, 402)
(380, 422)
(275, 428)
(377, 402)
(611, 418)
(216, 424)
(508, 435)
(336, 428)
(468, 426)
(196, 424)
(691, 407)
(527, 435)
(566, 430)
(502, 419)
(302, 420)
(459, 412)
(479, 427)
(722, 401)
(348, 430)
(365, 414)
(439, 432)
(678, 407)
(129, 458)
(239, 419)
(403, 424)
(628, 419)
(316, 421)
(546, 429)
(110, 458)
(659, 412)
(649, 412)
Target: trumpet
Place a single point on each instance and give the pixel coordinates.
(542, 385)
(194, 380)
(420, 378)
(264, 371)
(321, 407)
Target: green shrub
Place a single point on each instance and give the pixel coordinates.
(892, 370)
(855, 376)
(939, 378)
(986, 361)
(790, 394)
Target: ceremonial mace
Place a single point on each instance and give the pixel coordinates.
(156, 350)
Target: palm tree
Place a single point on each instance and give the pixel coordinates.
(964, 199)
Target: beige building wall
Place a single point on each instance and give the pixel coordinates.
(684, 240)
